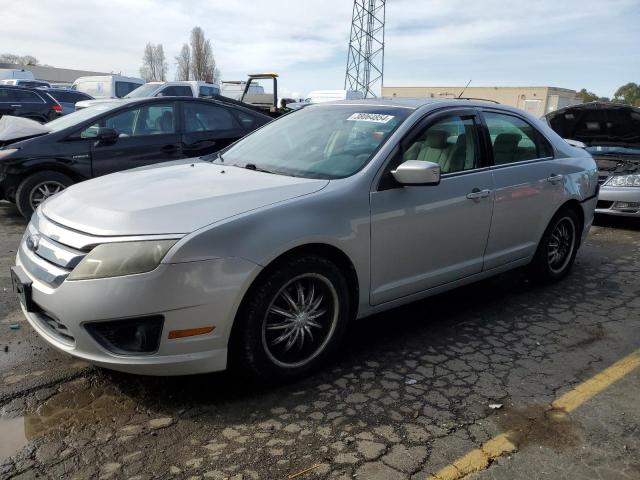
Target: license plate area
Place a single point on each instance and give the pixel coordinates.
(22, 287)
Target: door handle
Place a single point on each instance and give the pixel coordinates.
(16, 105)
(555, 178)
(170, 148)
(477, 194)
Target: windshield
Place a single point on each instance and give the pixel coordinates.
(80, 116)
(143, 91)
(608, 150)
(329, 141)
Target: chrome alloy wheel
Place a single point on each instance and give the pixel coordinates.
(561, 244)
(44, 190)
(300, 320)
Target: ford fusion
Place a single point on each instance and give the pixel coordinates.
(611, 133)
(258, 257)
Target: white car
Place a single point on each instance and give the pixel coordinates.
(259, 257)
(165, 89)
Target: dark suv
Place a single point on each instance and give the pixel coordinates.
(37, 161)
(32, 103)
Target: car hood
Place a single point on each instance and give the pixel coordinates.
(90, 103)
(13, 129)
(598, 123)
(173, 197)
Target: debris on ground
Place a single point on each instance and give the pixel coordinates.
(411, 381)
(302, 472)
(14, 326)
(495, 406)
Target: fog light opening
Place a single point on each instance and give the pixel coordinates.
(632, 206)
(128, 337)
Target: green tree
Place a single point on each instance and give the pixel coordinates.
(629, 93)
(587, 96)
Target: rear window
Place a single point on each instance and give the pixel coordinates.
(122, 88)
(68, 96)
(205, 91)
(176, 91)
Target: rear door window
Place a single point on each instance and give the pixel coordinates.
(200, 117)
(514, 140)
(8, 95)
(25, 96)
(205, 91)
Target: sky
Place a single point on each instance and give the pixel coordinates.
(570, 43)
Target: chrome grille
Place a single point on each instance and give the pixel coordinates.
(602, 179)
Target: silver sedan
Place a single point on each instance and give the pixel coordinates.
(259, 257)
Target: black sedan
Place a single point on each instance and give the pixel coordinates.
(37, 161)
(33, 103)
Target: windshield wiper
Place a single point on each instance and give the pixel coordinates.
(254, 167)
(212, 157)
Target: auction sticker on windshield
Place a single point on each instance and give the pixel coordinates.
(370, 117)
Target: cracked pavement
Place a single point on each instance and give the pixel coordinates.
(408, 394)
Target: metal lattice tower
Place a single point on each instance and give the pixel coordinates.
(365, 60)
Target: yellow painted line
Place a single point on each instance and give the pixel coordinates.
(480, 458)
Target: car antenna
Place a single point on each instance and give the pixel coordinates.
(465, 87)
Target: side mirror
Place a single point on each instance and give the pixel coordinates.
(575, 143)
(417, 172)
(106, 136)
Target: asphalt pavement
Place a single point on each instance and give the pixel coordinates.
(412, 392)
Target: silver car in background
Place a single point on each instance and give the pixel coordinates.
(259, 257)
(610, 132)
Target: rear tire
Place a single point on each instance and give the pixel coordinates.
(292, 320)
(558, 248)
(36, 188)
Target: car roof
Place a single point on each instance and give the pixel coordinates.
(20, 87)
(428, 104)
(133, 101)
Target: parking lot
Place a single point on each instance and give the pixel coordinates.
(410, 394)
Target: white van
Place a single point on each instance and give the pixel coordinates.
(11, 73)
(107, 86)
(322, 96)
(25, 82)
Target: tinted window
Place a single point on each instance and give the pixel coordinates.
(176, 91)
(156, 119)
(207, 91)
(28, 97)
(514, 140)
(451, 143)
(8, 95)
(246, 120)
(68, 97)
(122, 88)
(32, 83)
(200, 117)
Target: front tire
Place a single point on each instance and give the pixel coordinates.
(558, 248)
(36, 188)
(292, 320)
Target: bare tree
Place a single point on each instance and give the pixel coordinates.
(18, 60)
(184, 63)
(154, 65)
(203, 63)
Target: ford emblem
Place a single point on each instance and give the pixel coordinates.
(33, 241)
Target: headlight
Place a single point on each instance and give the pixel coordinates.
(624, 181)
(124, 258)
(4, 153)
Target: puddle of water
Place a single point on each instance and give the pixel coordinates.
(12, 436)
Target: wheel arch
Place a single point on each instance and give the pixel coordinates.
(325, 250)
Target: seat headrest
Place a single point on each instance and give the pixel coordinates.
(507, 139)
(436, 139)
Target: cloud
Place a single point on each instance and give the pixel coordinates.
(572, 43)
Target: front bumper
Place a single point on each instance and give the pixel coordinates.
(610, 198)
(186, 295)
